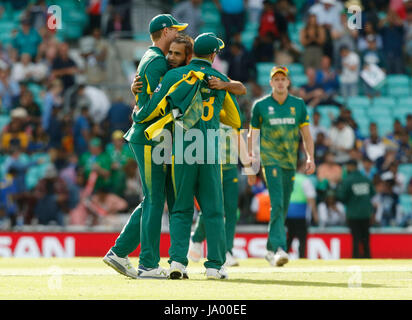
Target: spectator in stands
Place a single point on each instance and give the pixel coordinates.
(316, 127)
(356, 192)
(190, 12)
(331, 211)
(329, 170)
(372, 56)
(119, 22)
(408, 126)
(321, 147)
(52, 198)
(393, 33)
(271, 26)
(341, 35)
(27, 39)
(328, 13)
(9, 90)
(408, 35)
(386, 202)
(8, 204)
(342, 139)
(81, 131)
(118, 117)
(302, 209)
(260, 207)
(373, 147)
(52, 99)
(312, 93)
(64, 67)
(37, 13)
(326, 77)
(368, 31)
(32, 108)
(233, 14)
(97, 101)
(24, 70)
(349, 75)
(312, 38)
(119, 153)
(287, 9)
(95, 9)
(288, 52)
(105, 204)
(405, 150)
(96, 161)
(14, 134)
(95, 51)
(241, 65)
(368, 168)
(395, 135)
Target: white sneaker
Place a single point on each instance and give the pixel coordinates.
(281, 257)
(177, 271)
(195, 251)
(230, 260)
(121, 265)
(152, 273)
(270, 257)
(216, 274)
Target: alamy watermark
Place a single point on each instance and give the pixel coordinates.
(355, 20)
(54, 19)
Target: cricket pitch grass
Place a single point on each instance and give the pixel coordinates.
(254, 279)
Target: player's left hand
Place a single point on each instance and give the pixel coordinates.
(310, 167)
(216, 84)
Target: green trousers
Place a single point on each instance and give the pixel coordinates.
(230, 204)
(144, 225)
(203, 181)
(279, 182)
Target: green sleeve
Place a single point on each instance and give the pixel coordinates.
(154, 74)
(256, 119)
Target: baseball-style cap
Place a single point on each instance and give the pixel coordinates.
(207, 43)
(118, 134)
(165, 21)
(280, 69)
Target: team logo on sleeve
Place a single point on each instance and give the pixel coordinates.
(158, 87)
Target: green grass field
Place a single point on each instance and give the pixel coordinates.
(90, 278)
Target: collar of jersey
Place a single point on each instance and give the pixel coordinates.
(278, 102)
(158, 50)
(201, 61)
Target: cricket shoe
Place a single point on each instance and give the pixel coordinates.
(177, 271)
(230, 260)
(216, 274)
(277, 259)
(195, 251)
(151, 273)
(121, 265)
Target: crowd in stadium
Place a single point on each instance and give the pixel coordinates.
(63, 158)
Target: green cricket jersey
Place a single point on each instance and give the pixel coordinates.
(218, 105)
(151, 69)
(279, 126)
(356, 192)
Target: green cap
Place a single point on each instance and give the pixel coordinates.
(165, 21)
(207, 43)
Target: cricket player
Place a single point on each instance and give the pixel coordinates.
(144, 224)
(280, 117)
(230, 181)
(202, 179)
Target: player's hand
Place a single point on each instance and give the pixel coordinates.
(216, 84)
(310, 167)
(136, 85)
(251, 180)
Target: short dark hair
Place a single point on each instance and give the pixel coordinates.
(187, 41)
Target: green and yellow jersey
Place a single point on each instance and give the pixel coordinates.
(279, 126)
(151, 69)
(216, 105)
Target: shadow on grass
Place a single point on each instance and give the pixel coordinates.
(300, 283)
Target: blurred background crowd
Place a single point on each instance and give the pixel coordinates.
(65, 100)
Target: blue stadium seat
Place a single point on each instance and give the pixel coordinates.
(4, 121)
(400, 112)
(358, 102)
(405, 202)
(405, 102)
(263, 72)
(384, 101)
(298, 80)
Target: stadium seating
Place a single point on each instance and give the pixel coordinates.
(4, 121)
(406, 170)
(405, 202)
(398, 85)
